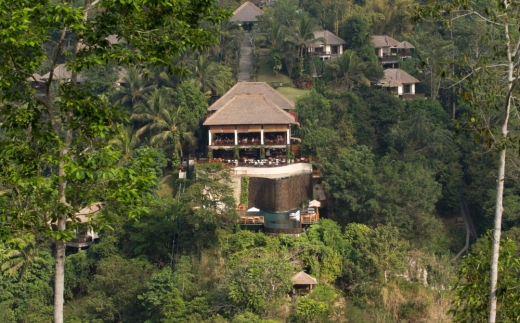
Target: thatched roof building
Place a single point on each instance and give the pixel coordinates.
(303, 283)
(396, 76)
(249, 109)
(261, 88)
(330, 38)
(61, 73)
(247, 12)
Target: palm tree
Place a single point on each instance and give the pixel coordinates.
(19, 260)
(348, 71)
(133, 90)
(303, 37)
(275, 34)
(148, 110)
(125, 140)
(163, 120)
(210, 76)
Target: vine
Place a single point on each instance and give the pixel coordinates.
(244, 192)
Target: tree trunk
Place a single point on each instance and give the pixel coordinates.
(496, 237)
(59, 257)
(59, 280)
(511, 80)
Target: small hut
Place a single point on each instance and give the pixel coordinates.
(303, 283)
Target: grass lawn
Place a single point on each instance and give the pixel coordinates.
(266, 73)
(166, 183)
(292, 93)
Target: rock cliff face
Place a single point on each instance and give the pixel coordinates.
(280, 194)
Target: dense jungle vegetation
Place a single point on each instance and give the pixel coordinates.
(396, 173)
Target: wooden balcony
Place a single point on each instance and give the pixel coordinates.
(80, 242)
(256, 220)
(393, 57)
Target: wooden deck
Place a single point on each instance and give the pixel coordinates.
(80, 242)
(251, 220)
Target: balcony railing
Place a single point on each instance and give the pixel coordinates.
(248, 142)
(251, 220)
(393, 57)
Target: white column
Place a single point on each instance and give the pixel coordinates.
(261, 136)
(412, 88)
(400, 90)
(288, 135)
(236, 137)
(209, 137)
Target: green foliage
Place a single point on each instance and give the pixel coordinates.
(26, 295)
(152, 236)
(253, 283)
(115, 285)
(348, 71)
(472, 288)
(170, 296)
(193, 104)
(236, 152)
(78, 269)
(244, 190)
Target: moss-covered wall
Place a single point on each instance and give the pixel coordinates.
(279, 195)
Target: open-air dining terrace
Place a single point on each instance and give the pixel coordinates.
(249, 139)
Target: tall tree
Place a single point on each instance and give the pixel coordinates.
(21, 257)
(348, 71)
(56, 158)
(491, 90)
(303, 37)
(133, 89)
(165, 123)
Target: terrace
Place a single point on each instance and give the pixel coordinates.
(289, 223)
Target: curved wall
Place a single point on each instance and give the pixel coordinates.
(279, 194)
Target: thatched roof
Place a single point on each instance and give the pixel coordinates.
(60, 73)
(384, 41)
(245, 109)
(405, 45)
(35, 78)
(247, 12)
(86, 213)
(254, 88)
(395, 74)
(330, 38)
(302, 278)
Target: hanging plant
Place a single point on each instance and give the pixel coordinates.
(236, 153)
(244, 192)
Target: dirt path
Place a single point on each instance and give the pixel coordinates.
(245, 63)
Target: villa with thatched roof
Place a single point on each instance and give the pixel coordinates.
(247, 13)
(330, 47)
(303, 283)
(399, 82)
(251, 116)
(61, 73)
(389, 50)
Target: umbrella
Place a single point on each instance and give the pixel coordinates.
(314, 203)
(253, 209)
